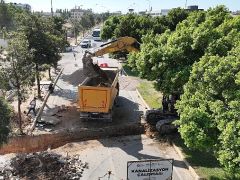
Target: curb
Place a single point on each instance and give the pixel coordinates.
(177, 149)
(144, 102)
(124, 72)
(190, 168)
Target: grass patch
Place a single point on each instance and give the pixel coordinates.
(129, 70)
(152, 97)
(206, 164)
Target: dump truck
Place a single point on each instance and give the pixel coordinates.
(98, 92)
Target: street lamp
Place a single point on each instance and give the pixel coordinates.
(186, 4)
(51, 8)
(149, 2)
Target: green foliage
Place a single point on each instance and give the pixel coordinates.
(5, 16)
(109, 27)
(45, 38)
(5, 115)
(137, 26)
(18, 67)
(168, 58)
(175, 16)
(210, 108)
(87, 21)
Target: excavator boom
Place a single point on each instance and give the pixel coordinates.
(121, 44)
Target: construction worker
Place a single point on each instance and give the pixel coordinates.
(32, 106)
(74, 55)
(50, 88)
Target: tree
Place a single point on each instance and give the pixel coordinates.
(43, 40)
(168, 58)
(5, 16)
(175, 16)
(5, 115)
(18, 68)
(87, 21)
(109, 26)
(77, 28)
(210, 108)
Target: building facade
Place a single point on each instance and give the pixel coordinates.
(22, 6)
(77, 12)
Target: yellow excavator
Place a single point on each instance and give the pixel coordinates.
(98, 91)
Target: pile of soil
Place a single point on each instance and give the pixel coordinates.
(44, 165)
(75, 78)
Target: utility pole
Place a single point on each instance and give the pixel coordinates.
(186, 4)
(51, 8)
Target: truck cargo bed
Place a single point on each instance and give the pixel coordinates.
(97, 96)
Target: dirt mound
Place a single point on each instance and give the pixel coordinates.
(75, 78)
(44, 165)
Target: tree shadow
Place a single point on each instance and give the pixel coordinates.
(193, 156)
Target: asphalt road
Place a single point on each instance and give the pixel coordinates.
(112, 154)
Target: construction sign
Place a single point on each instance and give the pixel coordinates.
(150, 169)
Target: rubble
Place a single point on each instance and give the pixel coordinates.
(52, 120)
(44, 165)
(51, 111)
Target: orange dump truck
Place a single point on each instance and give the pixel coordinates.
(96, 100)
(98, 92)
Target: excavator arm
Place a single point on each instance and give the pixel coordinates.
(123, 43)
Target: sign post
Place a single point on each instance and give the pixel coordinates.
(150, 169)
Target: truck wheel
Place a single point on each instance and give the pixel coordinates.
(84, 119)
(108, 120)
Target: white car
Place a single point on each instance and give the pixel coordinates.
(86, 43)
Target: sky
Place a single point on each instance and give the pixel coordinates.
(124, 5)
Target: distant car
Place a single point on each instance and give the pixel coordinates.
(86, 43)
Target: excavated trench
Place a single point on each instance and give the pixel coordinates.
(29, 144)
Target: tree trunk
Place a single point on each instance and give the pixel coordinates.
(49, 73)
(38, 81)
(20, 113)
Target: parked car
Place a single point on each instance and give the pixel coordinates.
(86, 43)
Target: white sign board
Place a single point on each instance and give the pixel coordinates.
(150, 169)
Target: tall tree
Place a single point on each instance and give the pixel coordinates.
(18, 68)
(210, 108)
(76, 28)
(44, 42)
(5, 16)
